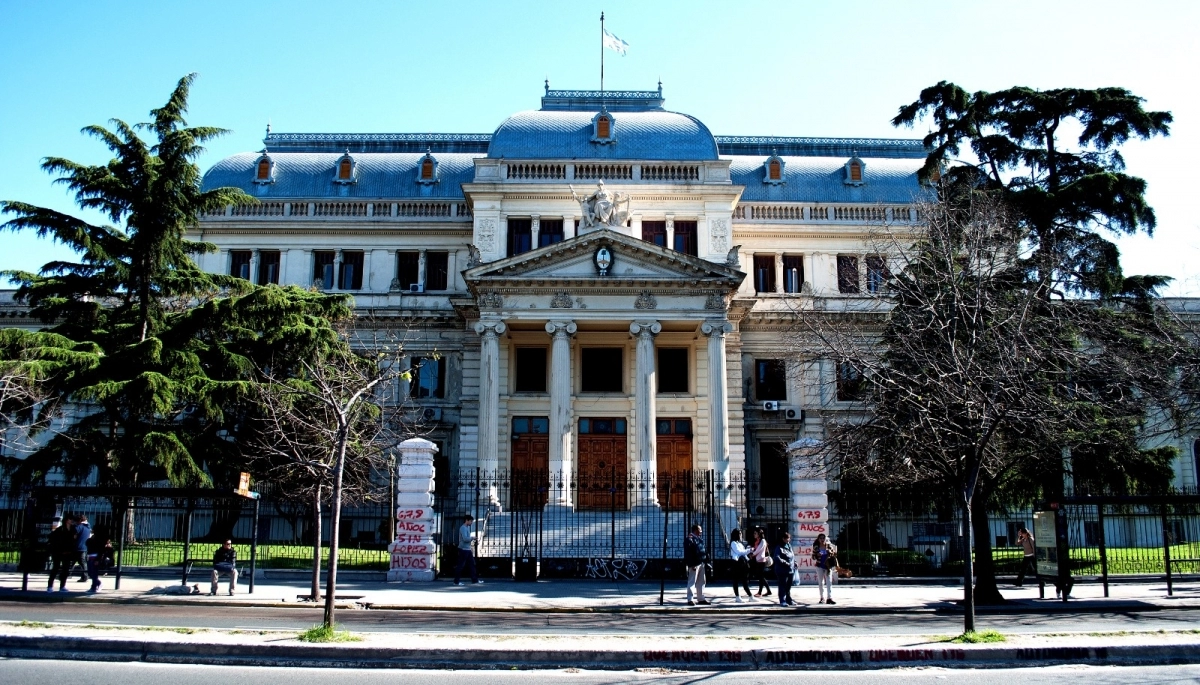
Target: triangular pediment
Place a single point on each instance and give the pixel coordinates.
(633, 260)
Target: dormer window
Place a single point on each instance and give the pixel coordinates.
(346, 168)
(773, 170)
(427, 169)
(264, 169)
(603, 127)
(855, 172)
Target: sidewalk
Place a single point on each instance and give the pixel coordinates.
(858, 596)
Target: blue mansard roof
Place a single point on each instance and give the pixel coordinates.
(387, 163)
(563, 129)
(311, 174)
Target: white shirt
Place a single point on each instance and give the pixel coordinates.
(737, 550)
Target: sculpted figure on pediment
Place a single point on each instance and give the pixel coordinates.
(602, 209)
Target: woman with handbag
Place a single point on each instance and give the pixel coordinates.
(785, 565)
(740, 554)
(760, 561)
(825, 559)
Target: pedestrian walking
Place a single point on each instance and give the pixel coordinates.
(760, 561)
(62, 553)
(694, 557)
(740, 554)
(466, 552)
(83, 533)
(99, 558)
(1029, 560)
(785, 565)
(224, 563)
(824, 556)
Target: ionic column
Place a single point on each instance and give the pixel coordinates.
(489, 404)
(718, 402)
(779, 272)
(561, 428)
(421, 269)
(645, 464)
(254, 259)
(670, 231)
(535, 227)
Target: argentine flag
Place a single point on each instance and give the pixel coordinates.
(615, 44)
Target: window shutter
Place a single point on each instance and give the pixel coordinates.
(264, 169)
(855, 171)
(602, 127)
(344, 169)
(774, 170)
(427, 168)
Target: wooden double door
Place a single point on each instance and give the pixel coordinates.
(603, 456)
(674, 446)
(530, 482)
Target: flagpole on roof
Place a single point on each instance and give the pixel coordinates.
(601, 55)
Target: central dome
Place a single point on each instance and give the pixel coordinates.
(564, 129)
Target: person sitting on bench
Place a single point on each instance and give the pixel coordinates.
(225, 562)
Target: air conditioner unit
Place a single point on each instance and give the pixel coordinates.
(771, 405)
(793, 413)
(416, 288)
(432, 414)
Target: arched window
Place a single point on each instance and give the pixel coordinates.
(427, 168)
(603, 126)
(774, 171)
(856, 172)
(264, 169)
(345, 170)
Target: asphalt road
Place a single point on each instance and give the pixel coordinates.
(687, 623)
(102, 673)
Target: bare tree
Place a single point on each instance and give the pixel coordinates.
(970, 380)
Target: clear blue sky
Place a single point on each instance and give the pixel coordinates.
(786, 68)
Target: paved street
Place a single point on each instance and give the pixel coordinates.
(700, 622)
(101, 673)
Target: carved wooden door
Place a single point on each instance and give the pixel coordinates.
(603, 472)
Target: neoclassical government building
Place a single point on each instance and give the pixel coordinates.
(598, 283)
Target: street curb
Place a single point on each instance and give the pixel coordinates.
(1016, 607)
(342, 656)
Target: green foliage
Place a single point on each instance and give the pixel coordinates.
(972, 637)
(175, 350)
(1063, 194)
(328, 633)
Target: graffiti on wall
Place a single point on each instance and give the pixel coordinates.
(615, 569)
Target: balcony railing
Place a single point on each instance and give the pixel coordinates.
(421, 210)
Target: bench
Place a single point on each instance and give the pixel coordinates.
(188, 564)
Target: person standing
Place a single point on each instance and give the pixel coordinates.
(1029, 559)
(740, 554)
(760, 561)
(694, 557)
(62, 553)
(98, 553)
(785, 565)
(466, 552)
(825, 559)
(83, 533)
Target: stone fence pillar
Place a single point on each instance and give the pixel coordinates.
(413, 550)
(809, 503)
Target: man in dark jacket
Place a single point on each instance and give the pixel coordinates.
(225, 562)
(63, 553)
(694, 558)
(83, 532)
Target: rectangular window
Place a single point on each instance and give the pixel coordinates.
(602, 369)
(437, 270)
(772, 469)
(685, 237)
(793, 273)
(268, 267)
(524, 425)
(672, 369)
(323, 269)
(847, 274)
(877, 274)
(549, 232)
(655, 232)
(850, 383)
(770, 379)
(531, 369)
(673, 427)
(239, 264)
(428, 378)
(407, 265)
(602, 426)
(764, 273)
(520, 236)
(351, 275)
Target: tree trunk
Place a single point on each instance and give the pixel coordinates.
(968, 568)
(986, 592)
(335, 522)
(130, 531)
(315, 595)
